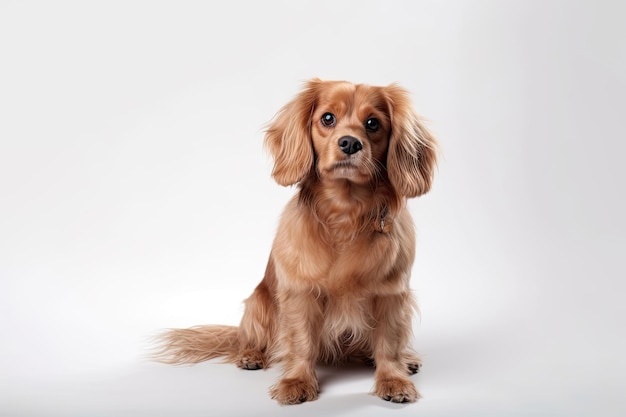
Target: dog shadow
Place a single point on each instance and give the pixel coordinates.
(328, 375)
(333, 378)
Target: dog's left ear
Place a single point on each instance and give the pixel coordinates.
(288, 137)
(412, 152)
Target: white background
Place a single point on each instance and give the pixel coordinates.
(135, 195)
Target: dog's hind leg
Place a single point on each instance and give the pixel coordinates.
(257, 331)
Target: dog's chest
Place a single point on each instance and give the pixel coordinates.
(346, 313)
(309, 255)
(354, 266)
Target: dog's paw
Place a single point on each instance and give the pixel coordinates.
(294, 391)
(251, 360)
(413, 362)
(414, 367)
(397, 390)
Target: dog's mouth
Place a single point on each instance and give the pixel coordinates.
(345, 169)
(345, 164)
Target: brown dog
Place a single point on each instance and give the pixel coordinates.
(336, 285)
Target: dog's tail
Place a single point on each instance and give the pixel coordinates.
(197, 344)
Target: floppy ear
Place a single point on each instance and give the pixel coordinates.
(412, 152)
(288, 137)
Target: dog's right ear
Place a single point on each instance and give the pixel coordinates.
(288, 137)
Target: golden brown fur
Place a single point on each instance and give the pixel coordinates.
(336, 286)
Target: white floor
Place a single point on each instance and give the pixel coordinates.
(491, 374)
(135, 196)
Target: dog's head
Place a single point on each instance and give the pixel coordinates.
(353, 132)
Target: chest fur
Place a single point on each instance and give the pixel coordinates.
(311, 258)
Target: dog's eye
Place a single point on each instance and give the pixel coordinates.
(372, 124)
(328, 119)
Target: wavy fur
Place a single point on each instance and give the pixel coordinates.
(336, 286)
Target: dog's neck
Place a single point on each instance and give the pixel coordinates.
(346, 209)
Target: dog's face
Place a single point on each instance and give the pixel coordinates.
(350, 129)
(355, 132)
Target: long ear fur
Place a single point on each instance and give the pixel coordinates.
(288, 137)
(412, 153)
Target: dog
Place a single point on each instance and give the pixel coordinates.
(336, 286)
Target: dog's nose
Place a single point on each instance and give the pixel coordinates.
(350, 145)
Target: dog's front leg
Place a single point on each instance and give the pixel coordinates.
(300, 320)
(390, 339)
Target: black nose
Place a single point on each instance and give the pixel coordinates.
(350, 145)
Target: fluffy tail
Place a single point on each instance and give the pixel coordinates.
(197, 344)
